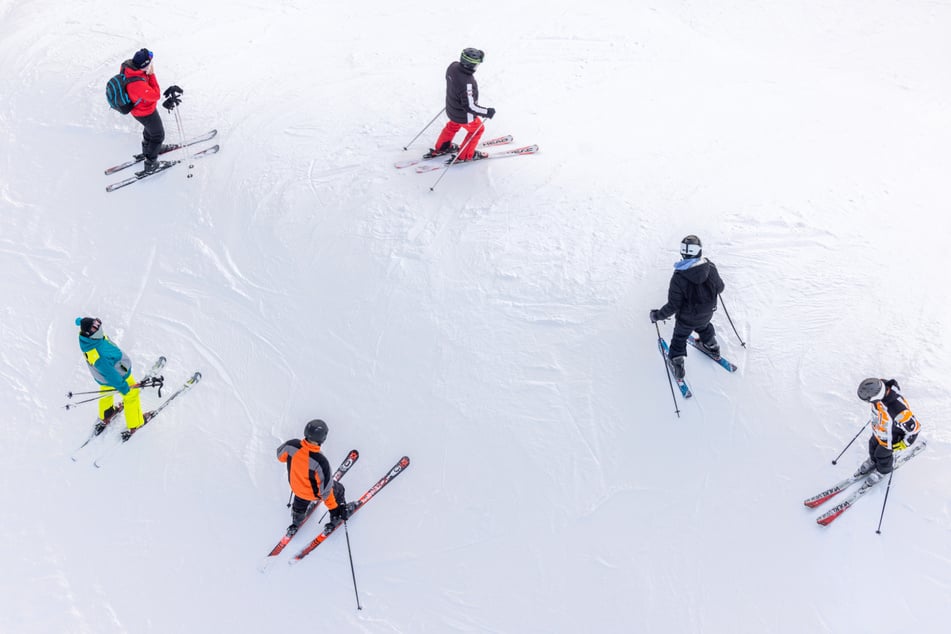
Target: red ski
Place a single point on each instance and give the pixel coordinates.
(351, 458)
(397, 469)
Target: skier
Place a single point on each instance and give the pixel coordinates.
(112, 370)
(463, 109)
(691, 298)
(311, 477)
(145, 94)
(894, 426)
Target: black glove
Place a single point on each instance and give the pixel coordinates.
(654, 316)
(490, 113)
(170, 103)
(173, 91)
(340, 513)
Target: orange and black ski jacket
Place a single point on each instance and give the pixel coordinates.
(308, 471)
(892, 419)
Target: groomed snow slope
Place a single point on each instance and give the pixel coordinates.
(495, 330)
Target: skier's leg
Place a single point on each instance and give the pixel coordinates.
(446, 136)
(468, 146)
(105, 403)
(132, 406)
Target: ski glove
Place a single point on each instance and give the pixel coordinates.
(490, 113)
(340, 513)
(900, 446)
(173, 91)
(654, 316)
(170, 103)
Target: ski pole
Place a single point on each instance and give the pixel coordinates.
(670, 382)
(742, 343)
(878, 530)
(456, 157)
(72, 394)
(850, 444)
(152, 381)
(438, 114)
(352, 572)
(69, 406)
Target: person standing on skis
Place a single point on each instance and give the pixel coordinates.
(692, 298)
(112, 370)
(894, 426)
(143, 89)
(463, 109)
(311, 477)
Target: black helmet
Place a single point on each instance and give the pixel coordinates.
(690, 247)
(316, 431)
(871, 390)
(471, 57)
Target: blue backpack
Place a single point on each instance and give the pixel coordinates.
(116, 93)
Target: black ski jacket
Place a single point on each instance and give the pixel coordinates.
(692, 296)
(462, 94)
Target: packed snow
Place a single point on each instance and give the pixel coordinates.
(495, 329)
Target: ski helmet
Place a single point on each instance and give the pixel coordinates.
(690, 247)
(316, 431)
(471, 57)
(871, 390)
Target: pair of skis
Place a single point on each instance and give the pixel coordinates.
(153, 378)
(430, 164)
(329, 528)
(163, 165)
(832, 514)
(695, 342)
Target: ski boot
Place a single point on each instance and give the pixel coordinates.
(446, 148)
(677, 367)
(106, 419)
(712, 349)
(476, 156)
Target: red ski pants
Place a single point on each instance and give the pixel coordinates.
(474, 129)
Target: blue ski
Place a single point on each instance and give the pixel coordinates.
(665, 350)
(726, 365)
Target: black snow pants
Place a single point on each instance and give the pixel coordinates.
(678, 340)
(881, 456)
(153, 135)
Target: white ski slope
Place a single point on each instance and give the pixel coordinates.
(495, 330)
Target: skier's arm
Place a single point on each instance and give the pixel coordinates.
(675, 299)
(471, 104)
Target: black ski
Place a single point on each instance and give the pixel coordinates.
(351, 458)
(163, 165)
(328, 530)
(138, 158)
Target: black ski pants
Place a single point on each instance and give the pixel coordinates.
(678, 341)
(881, 456)
(153, 134)
(299, 505)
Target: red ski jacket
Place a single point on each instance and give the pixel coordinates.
(146, 93)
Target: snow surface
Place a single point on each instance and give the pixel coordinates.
(495, 330)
